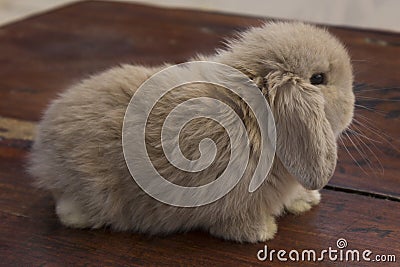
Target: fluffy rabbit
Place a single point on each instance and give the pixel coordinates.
(306, 76)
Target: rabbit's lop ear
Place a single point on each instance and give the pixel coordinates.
(306, 144)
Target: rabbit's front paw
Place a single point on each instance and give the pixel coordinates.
(268, 231)
(304, 202)
(251, 232)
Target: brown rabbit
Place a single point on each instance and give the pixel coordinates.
(304, 73)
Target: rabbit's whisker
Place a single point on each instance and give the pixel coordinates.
(375, 98)
(360, 153)
(369, 122)
(352, 157)
(358, 132)
(369, 127)
(358, 146)
(383, 136)
(377, 172)
(357, 89)
(377, 111)
(363, 144)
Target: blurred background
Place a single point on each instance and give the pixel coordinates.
(370, 14)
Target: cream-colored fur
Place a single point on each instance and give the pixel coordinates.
(78, 156)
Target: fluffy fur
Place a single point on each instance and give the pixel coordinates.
(77, 154)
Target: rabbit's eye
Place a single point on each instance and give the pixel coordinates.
(318, 78)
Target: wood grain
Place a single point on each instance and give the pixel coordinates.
(42, 55)
(32, 235)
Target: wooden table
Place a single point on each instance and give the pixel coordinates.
(41, 55)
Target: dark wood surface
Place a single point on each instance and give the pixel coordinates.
(40, 56)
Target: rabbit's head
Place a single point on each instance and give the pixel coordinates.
(307, 78)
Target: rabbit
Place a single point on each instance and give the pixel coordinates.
(304, 73)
